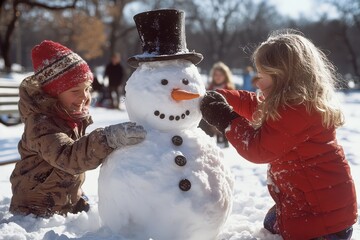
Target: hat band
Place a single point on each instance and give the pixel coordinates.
(165, 48)
(57, 68)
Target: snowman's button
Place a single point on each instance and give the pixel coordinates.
(185, 185)
(180, 160)
(177, 140)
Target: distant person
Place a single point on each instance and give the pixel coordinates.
(248, 78)
(115, 73)
(221, 78)
(55, 151)
(291, 127)
(98, 91)
(96, 85)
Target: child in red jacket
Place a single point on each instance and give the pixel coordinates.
(292, 127)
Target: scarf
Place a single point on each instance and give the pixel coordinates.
(73, 119)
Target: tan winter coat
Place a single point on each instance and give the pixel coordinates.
(54, 157)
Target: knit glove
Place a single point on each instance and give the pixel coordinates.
(216, 111)
(124, 134)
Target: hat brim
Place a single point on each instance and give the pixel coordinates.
(193, 57)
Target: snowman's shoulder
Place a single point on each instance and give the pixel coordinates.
(205, 139)
(205, 144)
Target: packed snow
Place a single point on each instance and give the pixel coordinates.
(250, 204)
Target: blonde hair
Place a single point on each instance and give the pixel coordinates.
(224, 69)
(301, 74)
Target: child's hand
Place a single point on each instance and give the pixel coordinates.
(216, 111)
(124, 134)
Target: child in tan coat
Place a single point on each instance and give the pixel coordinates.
(55, 152)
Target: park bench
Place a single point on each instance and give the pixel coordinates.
(9, 97)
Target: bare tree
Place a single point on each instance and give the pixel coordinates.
(350, 18)
(118, 27)
(12, 10)
(349, 10)
(217, 28)
(353, 54)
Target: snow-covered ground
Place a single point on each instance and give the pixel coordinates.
(251, 200)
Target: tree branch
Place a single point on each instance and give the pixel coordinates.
(1, 5)
(349, 46)
(46, 6)
(127, 31)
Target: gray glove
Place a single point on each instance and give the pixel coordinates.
(124, 134)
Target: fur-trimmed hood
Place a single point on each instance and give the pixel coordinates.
(33, 100)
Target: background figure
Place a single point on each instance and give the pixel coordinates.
(115, 73)
(248, 77)
(96, 85)
(98, 91)
(221, 78)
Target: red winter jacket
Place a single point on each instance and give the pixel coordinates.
(309, 177)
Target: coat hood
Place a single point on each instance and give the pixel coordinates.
(33, 100)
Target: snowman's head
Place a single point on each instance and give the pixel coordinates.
(165, 95)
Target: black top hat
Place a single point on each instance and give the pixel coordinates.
(162, 35)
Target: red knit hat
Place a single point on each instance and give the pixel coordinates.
(57, 68)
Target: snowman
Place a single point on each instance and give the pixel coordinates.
(173, 185)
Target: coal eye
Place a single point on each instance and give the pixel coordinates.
(164, 82)
(185, 81)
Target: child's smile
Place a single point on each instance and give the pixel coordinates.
(76, 99)
(77, 107)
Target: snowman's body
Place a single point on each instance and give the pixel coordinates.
(173, 185)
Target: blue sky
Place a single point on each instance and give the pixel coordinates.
(308, 8)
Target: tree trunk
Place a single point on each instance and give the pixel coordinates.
(113, 34)
(353, 56)
(5, 44)
(118, 28)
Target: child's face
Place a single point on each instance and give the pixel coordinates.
(115, 60)
(264, 82)
(218, 77)
(76, 99)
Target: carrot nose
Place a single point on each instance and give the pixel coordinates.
(179, 95)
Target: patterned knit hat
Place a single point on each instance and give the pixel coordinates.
(57, 68)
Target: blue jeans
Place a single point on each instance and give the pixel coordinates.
(270, 224)
(342, 235)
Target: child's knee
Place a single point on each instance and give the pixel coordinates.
(270, 222)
